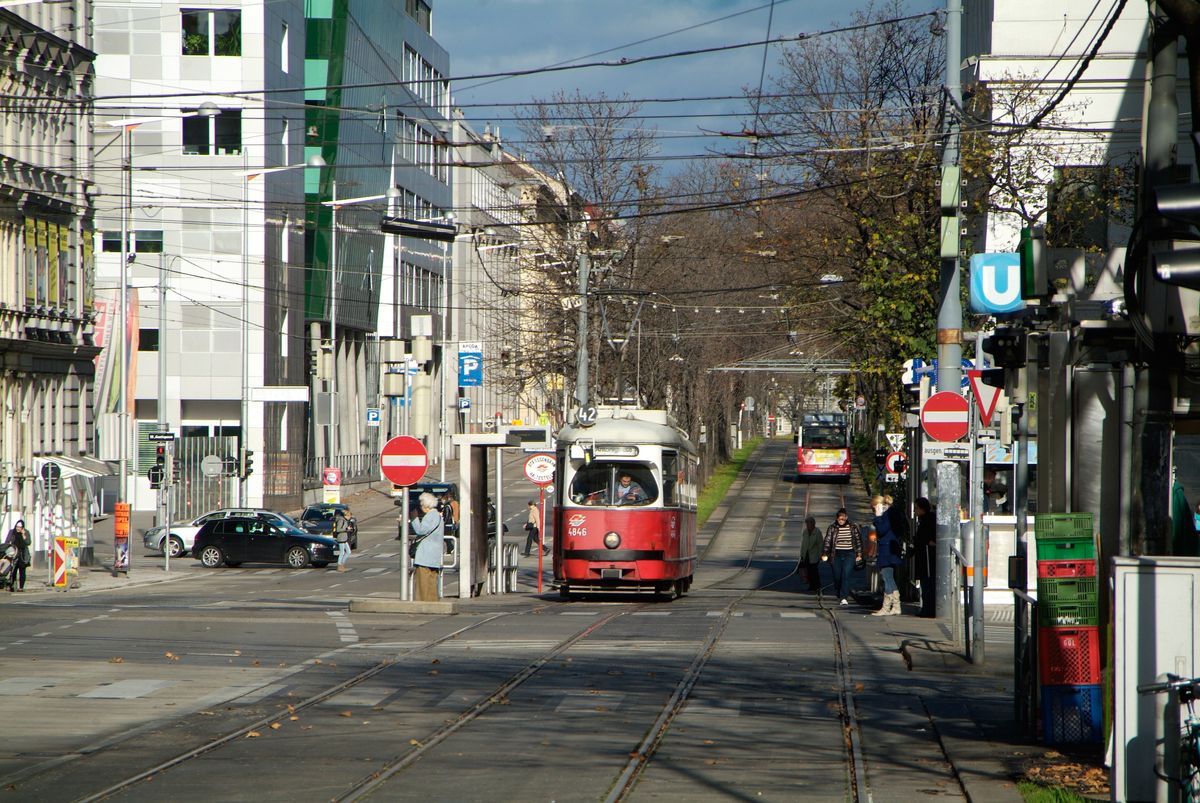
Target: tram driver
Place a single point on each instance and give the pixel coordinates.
(628, 491)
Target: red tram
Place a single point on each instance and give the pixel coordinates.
(625, 505)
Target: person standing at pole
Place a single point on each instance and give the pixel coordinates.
(533, 529)
(924, 549)
(430, 527)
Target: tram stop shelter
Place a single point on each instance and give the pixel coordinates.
(476, 452)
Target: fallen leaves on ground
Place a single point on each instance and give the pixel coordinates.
(170, 656)
(116, 659)
(275, 726)
(1083, 774)
(253, 735)
(346, 714)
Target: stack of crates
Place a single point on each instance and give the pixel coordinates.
(1068, 628)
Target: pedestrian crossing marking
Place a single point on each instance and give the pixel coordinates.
(13, 687)
(375, 569)
(797, 615)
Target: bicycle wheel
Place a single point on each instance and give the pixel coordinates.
(1189, 761)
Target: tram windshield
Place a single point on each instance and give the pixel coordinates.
(608, 483)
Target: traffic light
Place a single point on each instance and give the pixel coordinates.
(157, 473)
(1006, 344)
(245, 462)
(1179, 204)
(1032, 248)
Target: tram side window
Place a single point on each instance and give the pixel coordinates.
(670, 478)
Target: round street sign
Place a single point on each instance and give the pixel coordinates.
(404, 460)
(946, 416)
(891, 463)
(539, 469)
(212, 465)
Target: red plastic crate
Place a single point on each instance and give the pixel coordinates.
(1069, 656)
(1058, 569)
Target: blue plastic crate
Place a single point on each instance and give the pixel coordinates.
(1072, 714)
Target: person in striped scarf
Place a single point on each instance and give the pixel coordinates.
(843, 544)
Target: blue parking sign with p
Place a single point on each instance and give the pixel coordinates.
(470, 367)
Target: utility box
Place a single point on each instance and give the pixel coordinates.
(1156, 605)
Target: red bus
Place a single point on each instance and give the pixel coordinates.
(625, 513)
(823, 447)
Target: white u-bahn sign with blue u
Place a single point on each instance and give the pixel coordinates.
(996, 283)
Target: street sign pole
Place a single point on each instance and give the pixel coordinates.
(978, 550)
(403, 460)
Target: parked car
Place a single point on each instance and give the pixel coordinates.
(318, 519)
(183, 533)
(242, 539)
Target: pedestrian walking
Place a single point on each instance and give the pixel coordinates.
(810, 555)
(341, 534)
(889, 554)
(533, 529)
(20, 540)
(925, 554)
(428, 524)
(843, 545)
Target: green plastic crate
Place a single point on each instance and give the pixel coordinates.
(1068, 614)
(1064, 536)
(1067, 590)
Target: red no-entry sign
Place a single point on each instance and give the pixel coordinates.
(404, 460)
(945, 416)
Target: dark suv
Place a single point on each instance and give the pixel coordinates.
(318, 519)
(236, 540)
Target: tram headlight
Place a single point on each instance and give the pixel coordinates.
(612, 540)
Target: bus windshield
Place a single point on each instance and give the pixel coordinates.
(824, 436)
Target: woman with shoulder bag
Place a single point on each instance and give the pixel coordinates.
(18, 538)
(427, 550)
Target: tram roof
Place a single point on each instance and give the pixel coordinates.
(630, 425)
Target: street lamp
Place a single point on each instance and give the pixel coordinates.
(127, 124)
(244, 414)
(391, 196)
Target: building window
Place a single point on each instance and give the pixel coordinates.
(220, 135)
(147, 242)
(283, 49)
(142, 242)
(147, 340)
(211, 32)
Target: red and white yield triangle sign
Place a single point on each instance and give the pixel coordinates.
(986, 396)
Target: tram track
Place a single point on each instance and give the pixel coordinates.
(265, 721)
(625, 780)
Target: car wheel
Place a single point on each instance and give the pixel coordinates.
(211, 557)
(296, 557)
(175, 547)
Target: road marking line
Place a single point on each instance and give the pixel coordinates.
(41, 635)
(128, 689)
(797, 615)
(375, 570)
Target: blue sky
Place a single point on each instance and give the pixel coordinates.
(486, 36)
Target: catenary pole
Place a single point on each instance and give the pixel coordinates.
(949, 319)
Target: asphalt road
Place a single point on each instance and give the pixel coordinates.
(279, 693)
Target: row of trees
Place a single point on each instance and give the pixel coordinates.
(818, 241)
